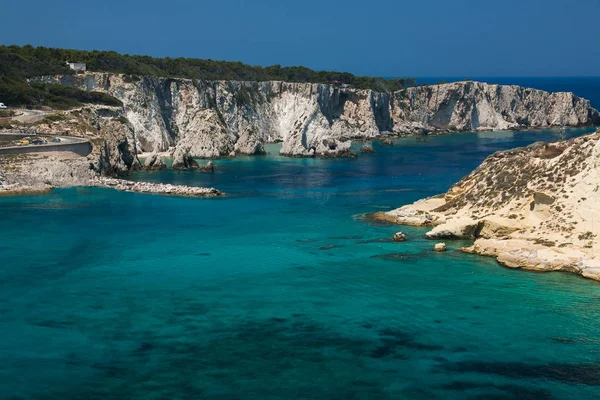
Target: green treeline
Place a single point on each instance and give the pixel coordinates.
(18, 63)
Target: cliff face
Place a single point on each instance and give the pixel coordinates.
(113, 152)
(213, 119)
(474, 105)
(113, 137)
(535, 207)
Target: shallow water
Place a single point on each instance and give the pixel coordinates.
(281, 290)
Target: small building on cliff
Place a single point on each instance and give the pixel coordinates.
(77, 67)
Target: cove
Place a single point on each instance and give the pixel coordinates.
(282, 290)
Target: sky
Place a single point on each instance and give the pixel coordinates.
(418, 38)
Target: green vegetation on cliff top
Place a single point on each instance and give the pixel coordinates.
(19, 63)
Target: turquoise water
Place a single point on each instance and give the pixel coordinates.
(281, 290)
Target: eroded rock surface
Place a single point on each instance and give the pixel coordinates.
(534, 207)
(220, 118)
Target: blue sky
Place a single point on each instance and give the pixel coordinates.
(385, 38)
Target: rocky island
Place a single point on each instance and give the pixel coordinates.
(534, 208)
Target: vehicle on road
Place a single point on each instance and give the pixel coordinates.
(56, 140)
(2, 106)
(23, 142)
(39, 141)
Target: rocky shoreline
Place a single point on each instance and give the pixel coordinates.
(120, 185)
(155, 188)
(39, 174)
(531, 208)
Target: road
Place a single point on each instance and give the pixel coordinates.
(81, 146)
(30, 116)
(26, 116)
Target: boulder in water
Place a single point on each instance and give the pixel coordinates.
(440, 247)
(387, 142)
(154, 163)
(399, 237)
(208, 168)
(367, 148)
(185, 162)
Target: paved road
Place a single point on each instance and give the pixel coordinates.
(15, 135)
(26, 116)
(77, 145)
(29, 116)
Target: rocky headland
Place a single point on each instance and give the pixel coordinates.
(211, 119)
(535, 208)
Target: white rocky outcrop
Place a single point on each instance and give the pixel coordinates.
(112, 136)
(154, 163)
(535, 208)
(462, 106)
(399, 237)
(439, 247)
(155, 188)
(221, 118)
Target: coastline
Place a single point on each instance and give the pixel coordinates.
(122, 185)
(529, 208)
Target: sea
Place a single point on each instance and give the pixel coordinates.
(283, 289)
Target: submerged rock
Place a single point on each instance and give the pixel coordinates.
(367, 148)
(208, 168)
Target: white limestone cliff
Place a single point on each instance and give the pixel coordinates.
(214, 119)
(462, 106)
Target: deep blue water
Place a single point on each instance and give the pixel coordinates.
(281, 290)
(586, 87)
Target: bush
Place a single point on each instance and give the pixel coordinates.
(15, 92)
(54, 118)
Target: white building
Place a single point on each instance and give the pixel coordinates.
(77, 67)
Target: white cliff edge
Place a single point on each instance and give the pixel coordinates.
(534, 208)
(205, 119)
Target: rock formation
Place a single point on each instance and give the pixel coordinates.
(113, 138)
(209, 168)
(534, 208)
(462, 106)
(399, 237)
(439, 247)
(249, 143)
(367, 148)
(154, 163)
(155, 188)
(387, 142)
(221, 118)
(183, 160)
